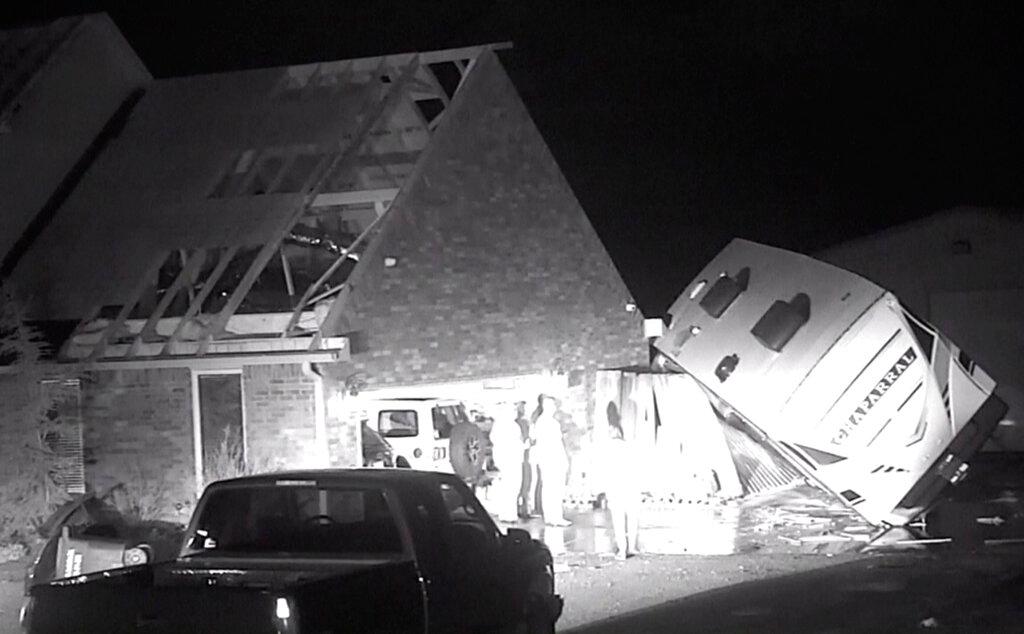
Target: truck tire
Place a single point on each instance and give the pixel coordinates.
(467, 451)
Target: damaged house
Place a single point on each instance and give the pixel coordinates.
(236, 262)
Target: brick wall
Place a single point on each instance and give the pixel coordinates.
(343, 446)
(138, 428)
(279, 415)
(17, 419)
(499, 271)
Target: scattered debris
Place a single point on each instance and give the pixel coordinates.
(929, 622)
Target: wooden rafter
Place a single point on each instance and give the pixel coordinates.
(329, 199)
(326, 275)
(186, 276)
(367, 64)
(204, 292)
(126, 309)
(383, 105)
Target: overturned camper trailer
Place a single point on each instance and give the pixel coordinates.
(828, 368)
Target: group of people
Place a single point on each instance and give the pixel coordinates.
(533, 465)
(530, 456)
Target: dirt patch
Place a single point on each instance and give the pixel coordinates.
(599, 587)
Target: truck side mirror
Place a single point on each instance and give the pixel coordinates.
(518, 536)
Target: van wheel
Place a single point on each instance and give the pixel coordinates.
(402, 463)
(467, 449)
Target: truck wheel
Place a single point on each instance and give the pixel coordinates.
(467, 449)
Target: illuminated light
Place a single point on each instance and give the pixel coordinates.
(653, 327)
(417, 453)
(694, 330)
(135, 556)
(630, 307)
(282, 610)
(697, 288)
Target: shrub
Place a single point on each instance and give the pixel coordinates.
(230, 460)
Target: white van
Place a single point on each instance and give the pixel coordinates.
(861, 396)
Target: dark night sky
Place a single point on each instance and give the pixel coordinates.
(800, 124)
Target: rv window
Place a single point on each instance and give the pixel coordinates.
(724, 292)
(398, 424)
(780, 322)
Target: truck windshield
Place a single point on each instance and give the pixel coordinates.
(296, 520)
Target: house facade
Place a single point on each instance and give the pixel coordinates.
(254, 254)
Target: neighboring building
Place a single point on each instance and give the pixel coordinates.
(960, 270)
(62, 87)
(257, 252)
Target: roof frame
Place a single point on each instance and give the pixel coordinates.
(372, 113)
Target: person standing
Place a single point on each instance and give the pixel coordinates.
(507, 448)
(548, 453)
(622, 492)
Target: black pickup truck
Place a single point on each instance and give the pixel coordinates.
(321, 552)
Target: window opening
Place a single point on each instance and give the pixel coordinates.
(781, 321)
(221, 425)
(724, 292)
(398, 423)
(297, 521)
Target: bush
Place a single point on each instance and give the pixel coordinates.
(143, 496)
(229, 460)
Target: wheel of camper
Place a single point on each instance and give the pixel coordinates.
(467, 450)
